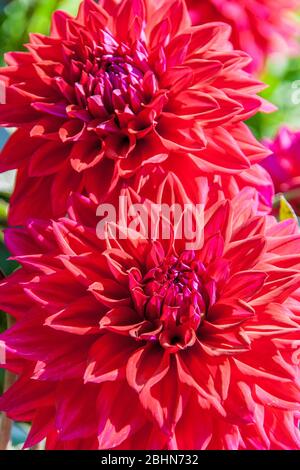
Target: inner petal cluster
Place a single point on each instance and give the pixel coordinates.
(114, 92)
(178, 294)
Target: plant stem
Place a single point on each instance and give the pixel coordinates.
(3, 212)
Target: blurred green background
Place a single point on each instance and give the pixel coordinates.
(19, 17)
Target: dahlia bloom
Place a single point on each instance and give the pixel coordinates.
(259, 27)
(141, 343)
(106, 94)
(284, 163)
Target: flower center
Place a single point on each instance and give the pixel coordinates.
(112, 80)
(178, 298)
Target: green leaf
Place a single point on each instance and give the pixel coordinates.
(7, 266)
(285, 210)
(3, 211)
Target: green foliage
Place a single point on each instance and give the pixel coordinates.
(282, 77)
(19, 17)
(285, 209)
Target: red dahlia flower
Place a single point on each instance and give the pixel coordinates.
(259, 27)
(107, 94)
(148, 345)
(284, 164)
